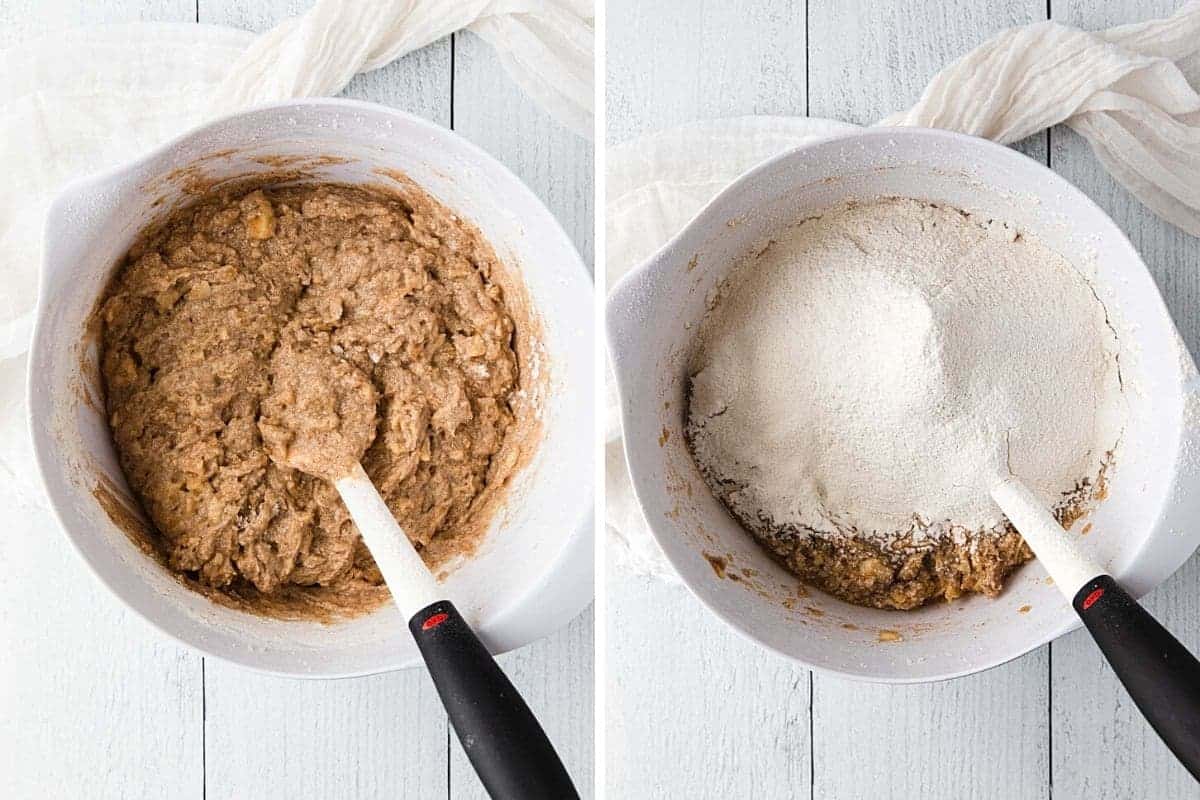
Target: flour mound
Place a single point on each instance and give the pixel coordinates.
(879, 365)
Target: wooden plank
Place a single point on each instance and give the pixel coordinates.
(93, 702)
(490, 110)
(418, 83)
(556, 679)
(384, 736)
(867, 59)
(1102, 746)
(249, 16)
(554, 675)
(682, 719)
(23, 19)
(694, 709)
(983, 736)
(671, 62)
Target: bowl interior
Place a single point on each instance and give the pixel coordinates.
(537, 555)
(1141, 532)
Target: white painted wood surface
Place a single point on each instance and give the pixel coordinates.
(693, 711)
(93, 703)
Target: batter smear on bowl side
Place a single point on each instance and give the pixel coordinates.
(859, 382)
(214, 331)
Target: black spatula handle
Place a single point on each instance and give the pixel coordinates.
(1159, 673)
(506, 745)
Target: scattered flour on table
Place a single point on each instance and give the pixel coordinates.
(873, 370)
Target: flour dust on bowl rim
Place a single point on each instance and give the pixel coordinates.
(1142, 532)
(531, 573)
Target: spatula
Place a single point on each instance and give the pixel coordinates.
(1159, 673)
(504, 741)
(320, 418)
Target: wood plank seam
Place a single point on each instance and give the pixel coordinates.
(1049, 645)
(449, 744)
(812, 726)
(203, 715)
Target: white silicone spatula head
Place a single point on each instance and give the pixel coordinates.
(409, 580)
(1054, 546)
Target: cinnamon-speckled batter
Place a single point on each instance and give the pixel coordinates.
(212, 332)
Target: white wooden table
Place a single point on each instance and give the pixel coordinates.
(694, 711)
(94, 703)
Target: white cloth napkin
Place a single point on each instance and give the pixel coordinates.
(546, 45)
(1126, 90)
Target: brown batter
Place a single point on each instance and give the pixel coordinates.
(911, 571)
(301, 323)
(868, 574)
(320, 415)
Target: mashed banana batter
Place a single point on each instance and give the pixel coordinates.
(299, 322)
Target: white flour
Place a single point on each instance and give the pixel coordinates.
(864, 373)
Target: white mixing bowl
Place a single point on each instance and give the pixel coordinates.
(1142, 532)
(533, 571)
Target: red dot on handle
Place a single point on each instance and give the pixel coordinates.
(1092, 598)
(434, 621)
